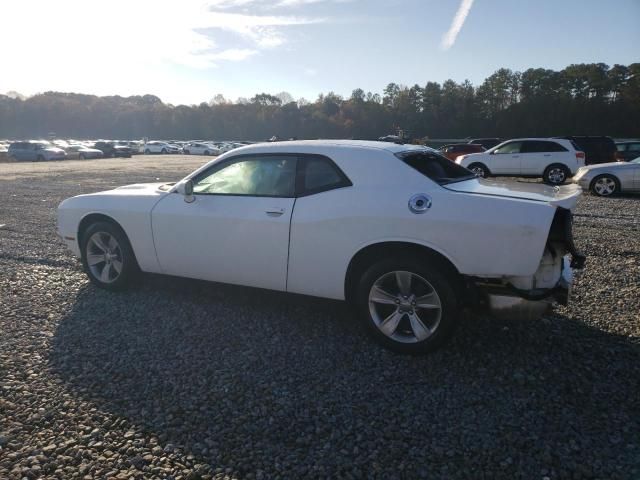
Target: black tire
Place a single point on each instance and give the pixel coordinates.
(437, 279)
(612, 181)
(81, 156)
(556, 174)
(163, 151)
(40, 158)
(206, 152)
(480, 169)
(123, 253)
(147, 151)
(187, 152)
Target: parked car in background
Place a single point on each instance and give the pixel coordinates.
(35, 151)
(597, 149)
(160, 147)
(110, 149)
(197, 148)
(453, 151)
(628, 151)
(487, 143)
(83, 152)
(552, 159)
(307, 217)
(606, 179)
(135, 146)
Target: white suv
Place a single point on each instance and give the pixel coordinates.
(553, 159)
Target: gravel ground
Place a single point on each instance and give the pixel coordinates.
(186, 379)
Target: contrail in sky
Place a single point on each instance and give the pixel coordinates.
(449, 38)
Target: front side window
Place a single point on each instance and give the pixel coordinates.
(633, 147)
(511, 147)
(268, 176)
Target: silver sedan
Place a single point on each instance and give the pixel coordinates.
(606, 179)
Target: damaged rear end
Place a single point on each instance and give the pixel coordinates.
(528, 297)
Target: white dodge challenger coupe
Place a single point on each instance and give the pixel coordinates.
(405, 235)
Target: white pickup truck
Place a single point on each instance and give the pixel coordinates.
(405, 235)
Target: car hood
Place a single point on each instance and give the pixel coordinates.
(607, 165)
(564, 196)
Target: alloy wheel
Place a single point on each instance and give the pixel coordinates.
(556, 175)
(405, 307)
(104, 257)
(604, 186)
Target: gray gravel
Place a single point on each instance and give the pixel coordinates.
(186, 379)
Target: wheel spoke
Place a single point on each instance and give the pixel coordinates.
(97, 241)
(104, 275)
(93, 259)
(428, 301)
(420, 330)
(113, 244)
(403, 279)
(378, 295)
(117, 266)
(390, 324)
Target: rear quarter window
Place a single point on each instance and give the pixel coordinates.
(436, 167)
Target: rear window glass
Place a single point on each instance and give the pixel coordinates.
(436, 167)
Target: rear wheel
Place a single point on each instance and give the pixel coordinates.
(164, 151)
(479, 169)
(81, 156)
(605, 185)
(206, 152)
(40, 158)
(107, 256)
(556, 174)
(147, 151)
(407, 307)
(187, 152)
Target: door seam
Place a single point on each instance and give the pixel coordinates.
(286, 281)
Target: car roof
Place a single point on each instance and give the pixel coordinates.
(360, 144)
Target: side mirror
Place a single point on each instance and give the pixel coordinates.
(186, 189)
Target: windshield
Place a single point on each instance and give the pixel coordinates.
(433, 165)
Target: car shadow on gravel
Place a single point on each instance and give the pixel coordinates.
(249, 380)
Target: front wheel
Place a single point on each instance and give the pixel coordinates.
(81, 156)
(107, 256)
(206, 152)
(40, 158)
(555, 174)
(479, 169)
(147, 151)
(163, 151)
(605, 186)
(407, 306)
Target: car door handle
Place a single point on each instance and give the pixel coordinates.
(275, 212)
(547, 154)
(516, 156)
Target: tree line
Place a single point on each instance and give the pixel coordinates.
(581, 99)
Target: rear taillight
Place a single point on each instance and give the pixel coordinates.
(580, 155)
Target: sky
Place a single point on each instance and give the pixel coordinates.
(188, 51)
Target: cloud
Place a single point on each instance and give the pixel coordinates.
(310, 72)
(449, 38)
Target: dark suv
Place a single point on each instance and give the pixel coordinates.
(596, 149)
(110, 149)
(628, 151)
